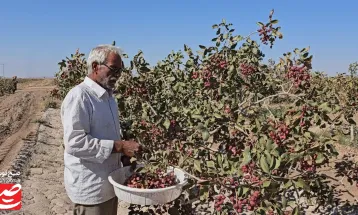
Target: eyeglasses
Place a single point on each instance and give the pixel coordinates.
(116, 71)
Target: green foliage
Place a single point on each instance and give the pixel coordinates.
(211, 115)
(241, 128)
(72, 72)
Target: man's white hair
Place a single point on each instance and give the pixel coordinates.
(100, 53)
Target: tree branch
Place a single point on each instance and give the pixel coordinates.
(192, 176)
(152, 109)
(216, 130)
(248, 36)
(278, 94)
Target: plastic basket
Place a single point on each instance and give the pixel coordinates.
(139, 196)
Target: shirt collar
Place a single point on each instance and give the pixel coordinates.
(100, 91)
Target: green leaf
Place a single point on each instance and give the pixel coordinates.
(204, 192)
(233, 47)
(245, 190)
(320, 158)
(216, 115)
(186, 110)
(279, 34)
(220, 105)
(171, 79)
(260, 24)
(275, 21)
(238, 193)
(258, 124)
(200, 127)
(266, 184)
(264, 165)
(231, 68)
(308, 135)
(268, 204)
(284, 202)
(166, 123)
(305, 49)
(205, 134)
(255, 51)
(202, 47)
(190, 63)
(197, 116)
(175, 109)
(247, 156)
(288, 184)
(197, 165)
(278, 162)
(295, 211)
(269, 159)
(301, 184)
(262, 141)
(276, 153)
(218, 31)
(210, 164)
(324, 106)
(261, 210)
(181, 161)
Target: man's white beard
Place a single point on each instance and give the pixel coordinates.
(105, 83)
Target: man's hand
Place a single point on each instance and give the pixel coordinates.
(126, 147)
(126, 161)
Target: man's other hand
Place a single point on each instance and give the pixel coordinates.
(126, 161)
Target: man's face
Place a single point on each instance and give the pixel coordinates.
(109, 72)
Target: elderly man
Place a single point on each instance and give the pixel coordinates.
(93, 145)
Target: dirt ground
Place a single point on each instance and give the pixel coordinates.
(31, 142)
(19, 113)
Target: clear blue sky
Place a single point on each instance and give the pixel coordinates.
(35, 35)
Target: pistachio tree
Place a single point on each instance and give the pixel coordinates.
(238, 126)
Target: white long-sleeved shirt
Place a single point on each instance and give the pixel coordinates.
(90, 121)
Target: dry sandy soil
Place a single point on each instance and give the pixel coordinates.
(18, 115)
(31, 142)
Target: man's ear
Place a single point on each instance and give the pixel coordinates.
(95, 67)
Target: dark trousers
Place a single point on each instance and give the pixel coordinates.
(106, 208)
